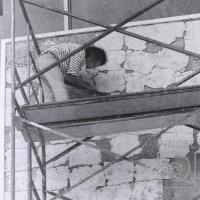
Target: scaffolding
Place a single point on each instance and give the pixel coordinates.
(186, 111)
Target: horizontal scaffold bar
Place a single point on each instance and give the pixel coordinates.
(115, 114)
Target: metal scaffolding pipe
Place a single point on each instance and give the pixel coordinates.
(20, 85)
(31, 145)
(67, 150)
(35, 192)
(43, 152)
(30, 85)
(35, 153)
(140, 37)
(29, 152)
(18, 108)
(21, 114)
(29, 171)
(69, 137)
(69, 18)
(17, 77)
(12, 138)
(187, 78)
(30, 26)
(34, 93)
(28, 60)
(37, 126)
(92, 41)
(76, 140)
(36, 71)
(53, 194)
(159, 134)
(25, 97)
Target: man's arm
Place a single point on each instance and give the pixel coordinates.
(77, 82)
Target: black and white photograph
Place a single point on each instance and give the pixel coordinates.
(100, 100)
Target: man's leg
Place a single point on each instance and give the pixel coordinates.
(52, 81)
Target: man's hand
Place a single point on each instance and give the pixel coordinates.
(75, 81)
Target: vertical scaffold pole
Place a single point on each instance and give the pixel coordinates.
(28, 59)
(12, 138)
(69, 18)
(43, 148)
(29, 171)
(29, 150)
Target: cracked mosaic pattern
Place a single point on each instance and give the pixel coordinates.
(133, 66)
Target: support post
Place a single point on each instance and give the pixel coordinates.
(36, 71)
(12, 138)
(43, 146)
(35, 192)
(29, 171)
(70, 18)
(125, 32)
(31, 145)
(29, 153)
(17, 77)
(67, 150)
(28, 60)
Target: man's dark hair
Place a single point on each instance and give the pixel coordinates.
(97, 54)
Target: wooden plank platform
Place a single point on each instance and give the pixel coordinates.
(115, 114)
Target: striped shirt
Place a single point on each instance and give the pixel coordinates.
(73, 64)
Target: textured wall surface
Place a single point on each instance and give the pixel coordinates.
(133, 66)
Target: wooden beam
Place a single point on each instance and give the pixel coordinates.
(112, 106)
(113, 126)
(115, 114)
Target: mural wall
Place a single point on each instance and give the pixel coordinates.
(133, 66)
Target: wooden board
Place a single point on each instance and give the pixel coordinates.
(116, 114)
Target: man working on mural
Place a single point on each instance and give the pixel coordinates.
(70, 71)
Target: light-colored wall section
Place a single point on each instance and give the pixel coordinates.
(124, 73)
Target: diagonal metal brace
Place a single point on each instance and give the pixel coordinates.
(65, 190)
(92, 41)
(140, 37)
